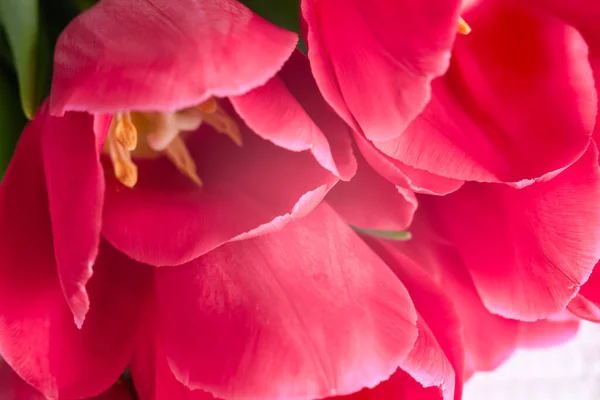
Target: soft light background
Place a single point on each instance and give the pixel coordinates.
(568, 372)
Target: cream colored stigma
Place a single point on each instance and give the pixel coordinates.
(161, 131)
(463, 27)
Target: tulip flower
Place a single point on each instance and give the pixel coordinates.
(139, 197)
(516, 105)
(528, 250)
(276, 315)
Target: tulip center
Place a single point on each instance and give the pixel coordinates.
(151, 134)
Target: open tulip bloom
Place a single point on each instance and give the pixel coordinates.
(201, 210)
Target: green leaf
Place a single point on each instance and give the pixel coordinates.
(12, 120)
(284, 13)
(84, 4)
(20, 19)
(390, 235)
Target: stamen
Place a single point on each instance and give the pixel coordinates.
(125, 170)
(209, 106)
(125, 131)
(224, 124)
(463, 27)
(179, 155)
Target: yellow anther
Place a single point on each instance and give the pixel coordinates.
(124, 168)
(463, 27)
(209, 106)
(125, 131)
(126, 173)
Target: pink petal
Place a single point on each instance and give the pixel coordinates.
(488, 339)
(163, 55)
(400, 386)
(12, 387)
(167, 220)
(369, 76)
(369, 201)
(443, 360)
(591, 289)
(585, 309)
(528, 250)
(402, 175)
(545, 333)
(37, 335)
(75, 185)
(150, 370)
(518, 102)
(290, 112)
(306, 312)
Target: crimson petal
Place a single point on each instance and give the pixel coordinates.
(167, 220)
(306, 312)
(528, 250)
(518, 102)
(376, 82)
(299, 119)
(37, 335)
(163, 55)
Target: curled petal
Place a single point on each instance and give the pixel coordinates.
(75, 185)
(517, 103)
(289, 111)
(376, 82)
(37, 336)
(307, 312)
(163, 55)
(402, 175)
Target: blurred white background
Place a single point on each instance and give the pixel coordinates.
(568, 372)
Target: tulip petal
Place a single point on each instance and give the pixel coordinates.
(488, 339)
(37, 335)
(400, 386)
(528, 250)
(591, 289)
(150, 369)
(167, 220)
(518, 102)
(299, 119)
(585, 309)
(369, 201)
(544, 333)
(372, 79)
(75, 184)
(443, 328)
(402, 175)
(12, 387)
(307, 312)
(163, 55)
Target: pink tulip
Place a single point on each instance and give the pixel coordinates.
(517, 104)
(304, 312)
(528, 250)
